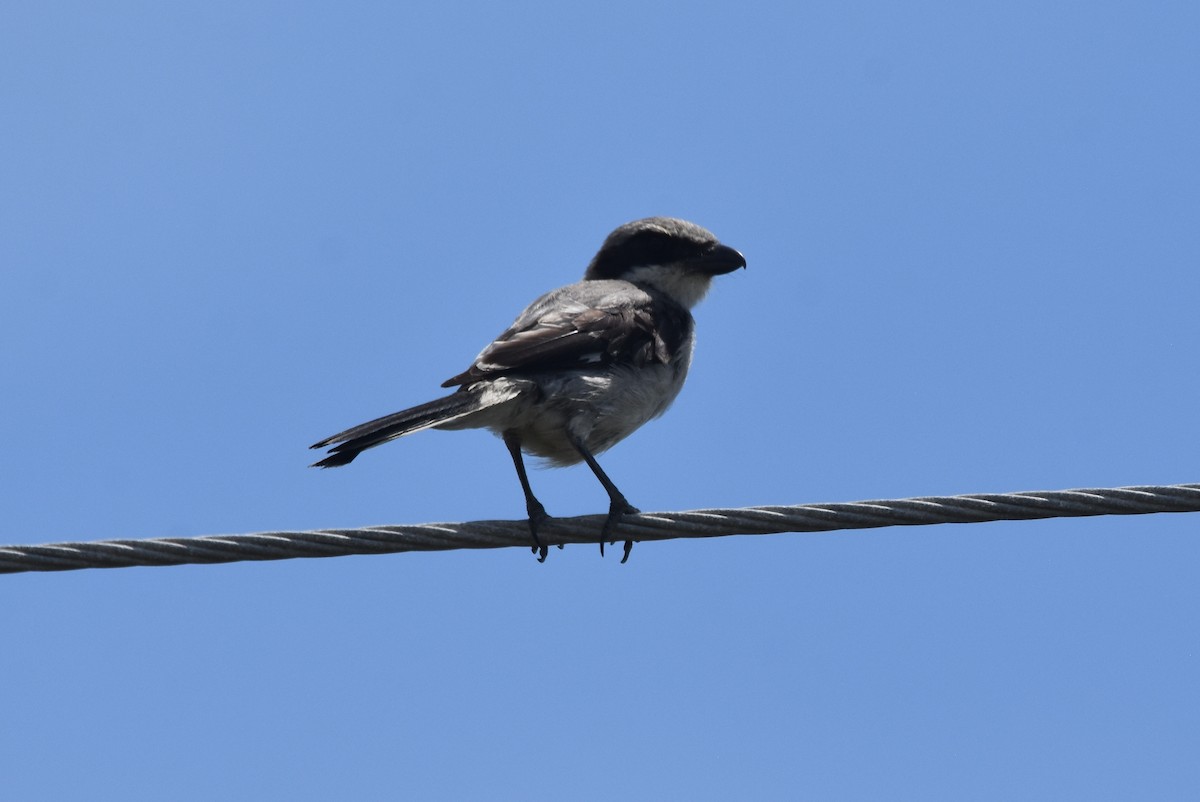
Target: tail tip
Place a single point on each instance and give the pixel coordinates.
(334, 460)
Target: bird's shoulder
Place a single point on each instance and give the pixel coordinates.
(588, 323)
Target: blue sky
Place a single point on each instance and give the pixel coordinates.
(230, 229)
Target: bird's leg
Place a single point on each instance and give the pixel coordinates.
(533, 507)
(617, 504)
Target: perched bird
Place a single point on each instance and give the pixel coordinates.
(583, 366)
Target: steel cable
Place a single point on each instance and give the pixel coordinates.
(973, 508)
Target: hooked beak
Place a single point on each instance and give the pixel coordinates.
(720, 259)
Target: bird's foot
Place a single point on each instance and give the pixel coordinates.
(628, 548)
(618, 507)
(537, 516)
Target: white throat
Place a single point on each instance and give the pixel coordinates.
(685, 287)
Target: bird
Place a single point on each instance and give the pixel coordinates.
(582, 367)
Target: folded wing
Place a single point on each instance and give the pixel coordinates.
(581, 326)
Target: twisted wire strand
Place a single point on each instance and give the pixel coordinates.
(973, 508)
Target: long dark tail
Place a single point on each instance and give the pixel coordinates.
(349, 444)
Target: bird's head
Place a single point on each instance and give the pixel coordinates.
(673, 256)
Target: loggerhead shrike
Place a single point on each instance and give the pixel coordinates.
(583, 366)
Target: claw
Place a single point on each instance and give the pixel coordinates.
(617, 508)
(617, 505)
(537, 516)
(533, 507)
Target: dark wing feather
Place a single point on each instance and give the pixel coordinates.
(557, 336)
